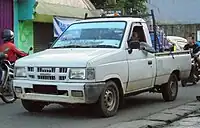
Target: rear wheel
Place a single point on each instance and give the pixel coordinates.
(170, 90)
(195, 74)
(196, 77)
(32, 106)
(198, 98)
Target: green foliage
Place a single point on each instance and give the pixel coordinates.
(99, 4)
(129, 6)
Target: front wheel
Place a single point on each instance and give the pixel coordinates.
(108, 102)
(32, 106)
(7, 92)
(170, 89)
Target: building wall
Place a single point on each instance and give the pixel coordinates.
(26, 9)
(25, 39)
(24, 26)
(178, 17)
(176, 11)
(16, 22)
(23, 16)
(182, 30)
(42, 40)
(6, 13)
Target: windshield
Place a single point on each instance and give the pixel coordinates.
(92, 35)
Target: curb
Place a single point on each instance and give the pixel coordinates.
(162, 118)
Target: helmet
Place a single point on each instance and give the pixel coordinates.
(7, 35)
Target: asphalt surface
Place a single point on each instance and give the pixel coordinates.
(56, 116)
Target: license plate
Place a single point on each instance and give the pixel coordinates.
(45, 89)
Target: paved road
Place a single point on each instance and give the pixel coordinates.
(55, 116)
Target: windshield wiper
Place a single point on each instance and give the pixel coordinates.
(72, 46)
(104, 46)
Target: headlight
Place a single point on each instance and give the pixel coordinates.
(82, 73)
(20, 72)
(77, 73)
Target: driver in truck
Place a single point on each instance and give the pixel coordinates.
(135, 37)
(8, 46)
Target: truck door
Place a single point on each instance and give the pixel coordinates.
(141, 63)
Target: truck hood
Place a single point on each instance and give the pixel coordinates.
(63, 57)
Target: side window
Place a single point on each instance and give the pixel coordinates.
(138, 34)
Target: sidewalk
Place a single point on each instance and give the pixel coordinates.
(168, 118)
(191, 121)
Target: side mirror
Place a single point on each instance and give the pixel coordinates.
(134, 44)
(31, 48)
(150, 50)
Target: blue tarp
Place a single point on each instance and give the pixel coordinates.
(162, 43)
(60, 24)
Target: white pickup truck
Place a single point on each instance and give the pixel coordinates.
(95, 62)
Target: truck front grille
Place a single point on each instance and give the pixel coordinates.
(46, 77)
(47, 73)
(46, 69)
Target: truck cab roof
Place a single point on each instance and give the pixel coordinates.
(116, 18)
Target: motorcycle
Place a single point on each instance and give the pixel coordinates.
(6, 86)
(195, 71)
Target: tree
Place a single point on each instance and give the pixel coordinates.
(99, 4)
(133, 6)
(129, 6)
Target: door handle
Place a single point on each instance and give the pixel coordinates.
(149, 62)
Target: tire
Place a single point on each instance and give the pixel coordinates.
(4, 93)
(195, 75)
(170, 90)
(194, 83)
(196, 78)
(184, 83)
(198, 98)
(109, 99)
(32, 106)
(8, 101)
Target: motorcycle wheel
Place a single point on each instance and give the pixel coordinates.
(196, 78)
(194, 83)
(8, 90)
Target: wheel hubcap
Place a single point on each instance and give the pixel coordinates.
(173, 87)
(110, 99)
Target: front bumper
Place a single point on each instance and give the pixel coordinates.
(90, 92)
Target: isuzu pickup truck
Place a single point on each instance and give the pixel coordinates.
(97, 61)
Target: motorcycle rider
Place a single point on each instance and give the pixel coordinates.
(8, 46)
(193, 77)
(194, 46)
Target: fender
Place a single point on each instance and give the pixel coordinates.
(113, 76)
